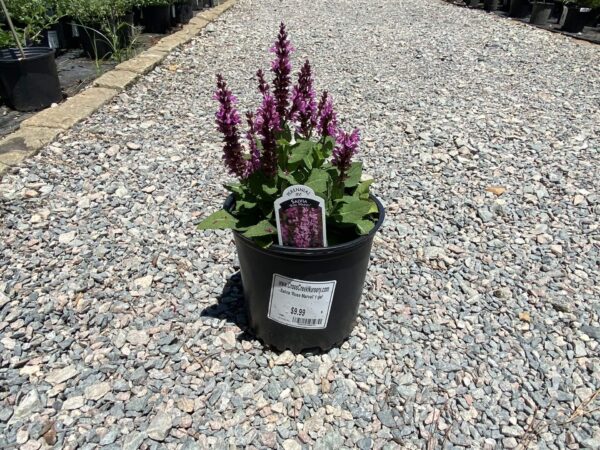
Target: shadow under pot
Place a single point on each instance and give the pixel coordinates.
(540, 13)
(574, 18)
(304, 298)
(156, 19)
(30, 83)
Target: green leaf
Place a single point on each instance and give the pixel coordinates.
(287, 177)
(269, 190)
(318, 181)
(236, 188)
(299, 151)
(353, 211)
(328, 146)
(363, 188)
(243, 204)
(354, 174)
(364, 226)
(220, 220)
(308, 161)
(262, 228)
(373, 209)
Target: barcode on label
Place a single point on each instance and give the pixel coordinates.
(305, 321)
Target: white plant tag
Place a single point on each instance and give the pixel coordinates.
(173, 13)
(584, 10)
(300, 304)
(300, 217)
(74, 30)
(53, 39)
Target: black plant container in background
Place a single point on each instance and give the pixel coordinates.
(197, 5)
(125, 31)
(573, 18)
(540, 13)
(557, 9)
(518, 8)
(95, 44)
(490, 5)
(137, 16)
(182, 12)
(29, 84)
(341, 267)
(472, 3)
(156, 19)
(70, 33)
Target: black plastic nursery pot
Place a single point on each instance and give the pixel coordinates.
(94, 43)
(573, 18)
(490, 5)
(518, 8)
(156, 19)
(472, 3)
(197, 5)
(301, 299)
(540, 13)
(70, 33)
(31, 83)
(183, 12)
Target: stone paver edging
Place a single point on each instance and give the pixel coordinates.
(42, 128)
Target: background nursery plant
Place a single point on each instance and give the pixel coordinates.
(291, 139)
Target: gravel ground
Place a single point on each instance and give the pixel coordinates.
(121, 326)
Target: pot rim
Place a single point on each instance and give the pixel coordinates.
(12, 55)
(320, 251)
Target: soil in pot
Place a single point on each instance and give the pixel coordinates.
(156, 19)
(490, 5)
(540, 13)
(518, 8)
(573, 18)
(29, 84)
(183, 12)
(300, 299)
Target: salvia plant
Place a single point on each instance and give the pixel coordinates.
(293, 138)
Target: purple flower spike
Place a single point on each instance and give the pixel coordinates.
(263, 86)
(304, 105)
(282, 68)
(346, 148)
(267, 123)
(227, 120)
(327, 122)
(254, 163)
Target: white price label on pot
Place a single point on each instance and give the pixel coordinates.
(300, 304)
(74, 30)
(53, 39)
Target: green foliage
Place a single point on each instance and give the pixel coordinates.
(349, 210)
(154, 2)
(94, 12)
(31, 18)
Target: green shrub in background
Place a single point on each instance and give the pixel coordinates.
(155, 2)
(98, 11)
(31, 18)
